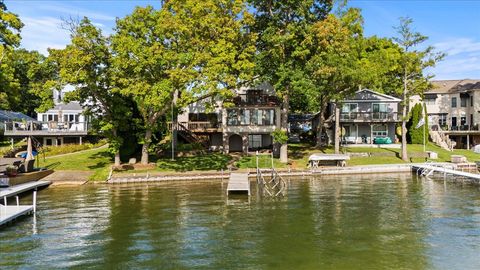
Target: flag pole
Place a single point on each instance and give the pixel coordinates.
(424, 114)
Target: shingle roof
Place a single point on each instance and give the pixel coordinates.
(454, 86)
(71, 106)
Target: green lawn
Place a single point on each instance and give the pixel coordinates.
(98, 160)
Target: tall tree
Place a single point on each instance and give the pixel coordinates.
(413, 63)
(10, 26)
(183, 51)
(282, 27)
(86, 63)
(334, 67)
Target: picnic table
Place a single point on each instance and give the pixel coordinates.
(315, 159)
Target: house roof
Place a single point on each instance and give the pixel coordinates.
(454, 86)
(71, 106)
(366, 95)
(14, 116)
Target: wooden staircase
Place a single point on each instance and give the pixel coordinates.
(189, 136)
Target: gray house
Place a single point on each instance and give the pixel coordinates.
(244, 125)
(365, 116)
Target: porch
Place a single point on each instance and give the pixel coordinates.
(51, 128)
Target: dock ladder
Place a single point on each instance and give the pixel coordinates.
(269, 182)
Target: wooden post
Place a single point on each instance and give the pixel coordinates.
(468, 142)
(18, 201)
(371, 134)
(5, 200)
(80, 140)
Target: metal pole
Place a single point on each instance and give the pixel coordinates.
(424, 125)
(34, 201)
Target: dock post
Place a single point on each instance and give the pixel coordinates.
(35, 201)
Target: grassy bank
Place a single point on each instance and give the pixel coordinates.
(96, 160)
(100, 160)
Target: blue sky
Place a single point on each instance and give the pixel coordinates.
(453, 26)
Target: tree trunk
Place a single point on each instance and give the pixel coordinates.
(337, 129)
(321, 123)
(146, 145)
(117, 158)
(284, 127)
(404, 119)
(117, 161)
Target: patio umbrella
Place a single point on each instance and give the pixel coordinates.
(29, 149)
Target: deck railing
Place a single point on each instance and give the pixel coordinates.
(369, 116)
(14, 127)
(194, 126)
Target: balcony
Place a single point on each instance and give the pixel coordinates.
(50, 128)
(462, 129)
(256, 99)
(369, 117)
(199, 127)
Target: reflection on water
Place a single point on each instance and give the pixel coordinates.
(334, 223)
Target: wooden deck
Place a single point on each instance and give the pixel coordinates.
(238, 183)
(9, 213)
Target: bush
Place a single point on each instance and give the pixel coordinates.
(414, 134)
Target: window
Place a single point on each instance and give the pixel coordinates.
(379, 131)
(269, 117)
(232, 118)
(442, 120)
(349, 111)
(255, 141)
(379, 110)
(454, 102)
(471, 101)
(463, 102)
(245, 117)
(349, 107)
(429, 101)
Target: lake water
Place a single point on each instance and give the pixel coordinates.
(354, 222)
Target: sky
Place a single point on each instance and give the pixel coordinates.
(452, 26)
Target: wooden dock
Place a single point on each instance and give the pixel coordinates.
(238, 183)
(429, 169)
(17, 189)
(10, 212)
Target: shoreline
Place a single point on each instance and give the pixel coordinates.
(185, 176)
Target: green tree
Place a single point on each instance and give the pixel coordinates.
(33, 73)
(415, 135)
(282, 27)
(86, 63)
(334, 68)
(180, 53)
(413, 63)
(10, 26)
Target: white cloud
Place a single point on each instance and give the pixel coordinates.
(458, 46)
(42, 33)
(77, 12)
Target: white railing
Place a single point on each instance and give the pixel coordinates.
(51, 126)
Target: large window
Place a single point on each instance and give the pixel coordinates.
(255, 141)
(349, 111)
(232, 117)
(454, 102)
(245, 117)
(429, 100)
(379, 131)
(463, 101)
(379, 110)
